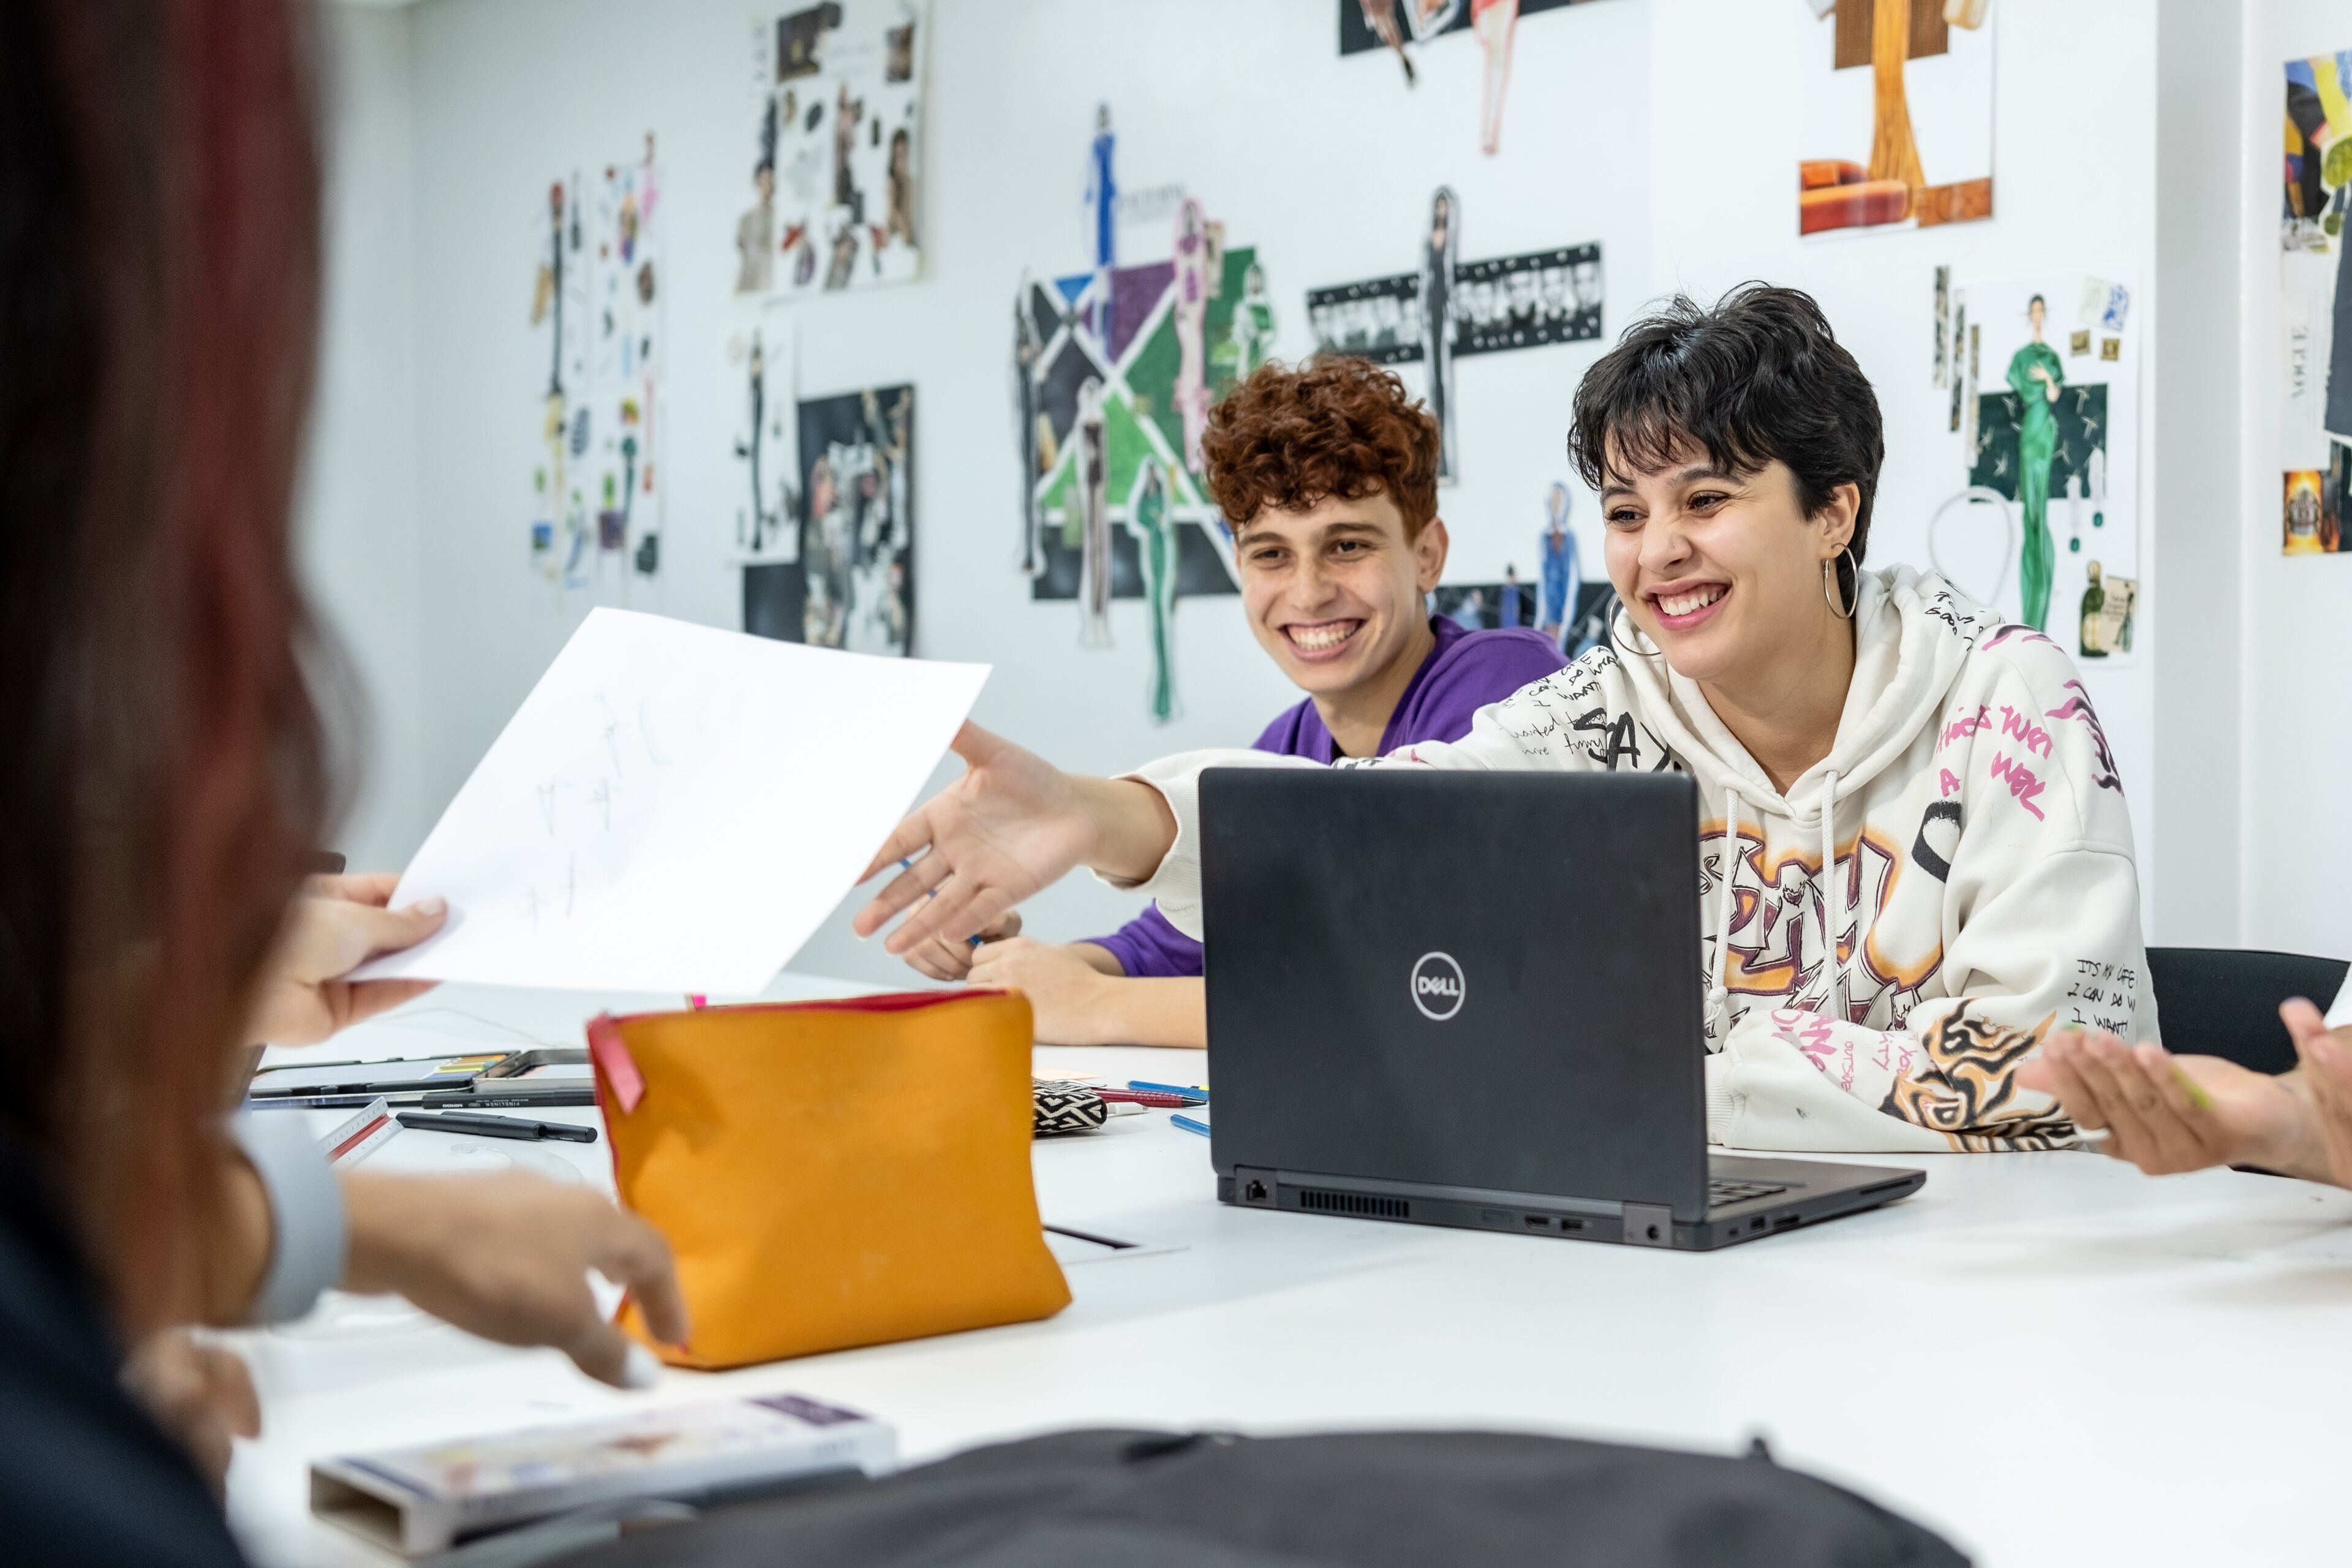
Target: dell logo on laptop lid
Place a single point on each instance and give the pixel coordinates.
(1437, 985)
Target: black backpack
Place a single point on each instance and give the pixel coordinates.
(1139, 1500)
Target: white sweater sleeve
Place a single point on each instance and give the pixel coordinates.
(2055, 946)
(1498, 738)
(1175, 887)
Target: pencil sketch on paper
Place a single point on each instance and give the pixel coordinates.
(596, 802)
(632, 826)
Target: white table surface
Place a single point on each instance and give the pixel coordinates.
(2048, 1357)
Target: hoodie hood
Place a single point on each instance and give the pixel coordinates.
(1912, 635)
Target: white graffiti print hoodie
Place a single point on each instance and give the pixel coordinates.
(1982, 890)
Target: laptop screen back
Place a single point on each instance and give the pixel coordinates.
(1468, 979)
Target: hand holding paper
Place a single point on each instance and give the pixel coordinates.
(674, 809)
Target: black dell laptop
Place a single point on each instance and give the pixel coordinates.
(1474, 999)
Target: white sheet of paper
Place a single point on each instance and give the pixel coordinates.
(676, 808)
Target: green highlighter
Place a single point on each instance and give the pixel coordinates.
(2196, 1097)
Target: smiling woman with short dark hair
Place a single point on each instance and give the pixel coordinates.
(1916, 857)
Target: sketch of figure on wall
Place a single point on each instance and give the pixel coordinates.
(1249, 343)
(823, 567)
(755, 231)
(748, 449)
(1094, 523)
(1192, 311)
(849, 113)
(900, 174)
(1438, 320)
(1102, 210)
(1026, 350)
(1560, 579)
(1494, 21)
(1380, 17)
(1155, 537)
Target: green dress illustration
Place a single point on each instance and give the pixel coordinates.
(2037, 443)
(1157, 535)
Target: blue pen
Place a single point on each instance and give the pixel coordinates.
(908, 865)
(1188, 1125)
(1189, 1091)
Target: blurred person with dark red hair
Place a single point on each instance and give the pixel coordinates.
(165, 781)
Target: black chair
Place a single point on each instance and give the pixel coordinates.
(2224, 1001)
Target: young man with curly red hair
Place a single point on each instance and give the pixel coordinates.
(1330, 475)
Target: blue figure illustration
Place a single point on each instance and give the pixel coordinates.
(1102, 197)
(1560, 577)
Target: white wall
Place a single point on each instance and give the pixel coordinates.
(1649, 125)
(357, 520)
(2296, 751)
(2205, 228)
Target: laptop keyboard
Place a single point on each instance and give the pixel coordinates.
(1722, 1194)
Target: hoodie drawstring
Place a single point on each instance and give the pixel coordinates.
(1726, 869)
(1845, 908)
(1840, 903)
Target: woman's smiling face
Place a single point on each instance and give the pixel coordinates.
(1722, 570)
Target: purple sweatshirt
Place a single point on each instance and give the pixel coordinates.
(1464, 672)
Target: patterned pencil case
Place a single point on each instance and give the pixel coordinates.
(1059, 1108)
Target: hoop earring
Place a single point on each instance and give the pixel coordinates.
(1830, 584)
(1624, 633)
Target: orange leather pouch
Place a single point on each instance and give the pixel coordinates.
(832, 1173)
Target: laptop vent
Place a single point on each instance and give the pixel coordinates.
(1353, 1203)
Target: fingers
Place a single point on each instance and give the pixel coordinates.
(2054, 1073)
(2187, 1130)
(200, 1394)
(2327, 1073)
(2142, 1101)
(2106, 1067)
(908, 839)
(942, 959)
(975, 745)
(959, 910)
(948, 961)
(602, 1351)
(229, 1383)
(2303, 1021)
(636, 1257)
(356, 888)
(363, 999)
(390, 931)
(920, 876)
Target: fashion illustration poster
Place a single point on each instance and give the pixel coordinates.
(832, 164)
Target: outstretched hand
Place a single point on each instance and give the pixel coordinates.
(1011, 826)
(2161, 1112)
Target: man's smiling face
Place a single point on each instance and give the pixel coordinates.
(1334, 591)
